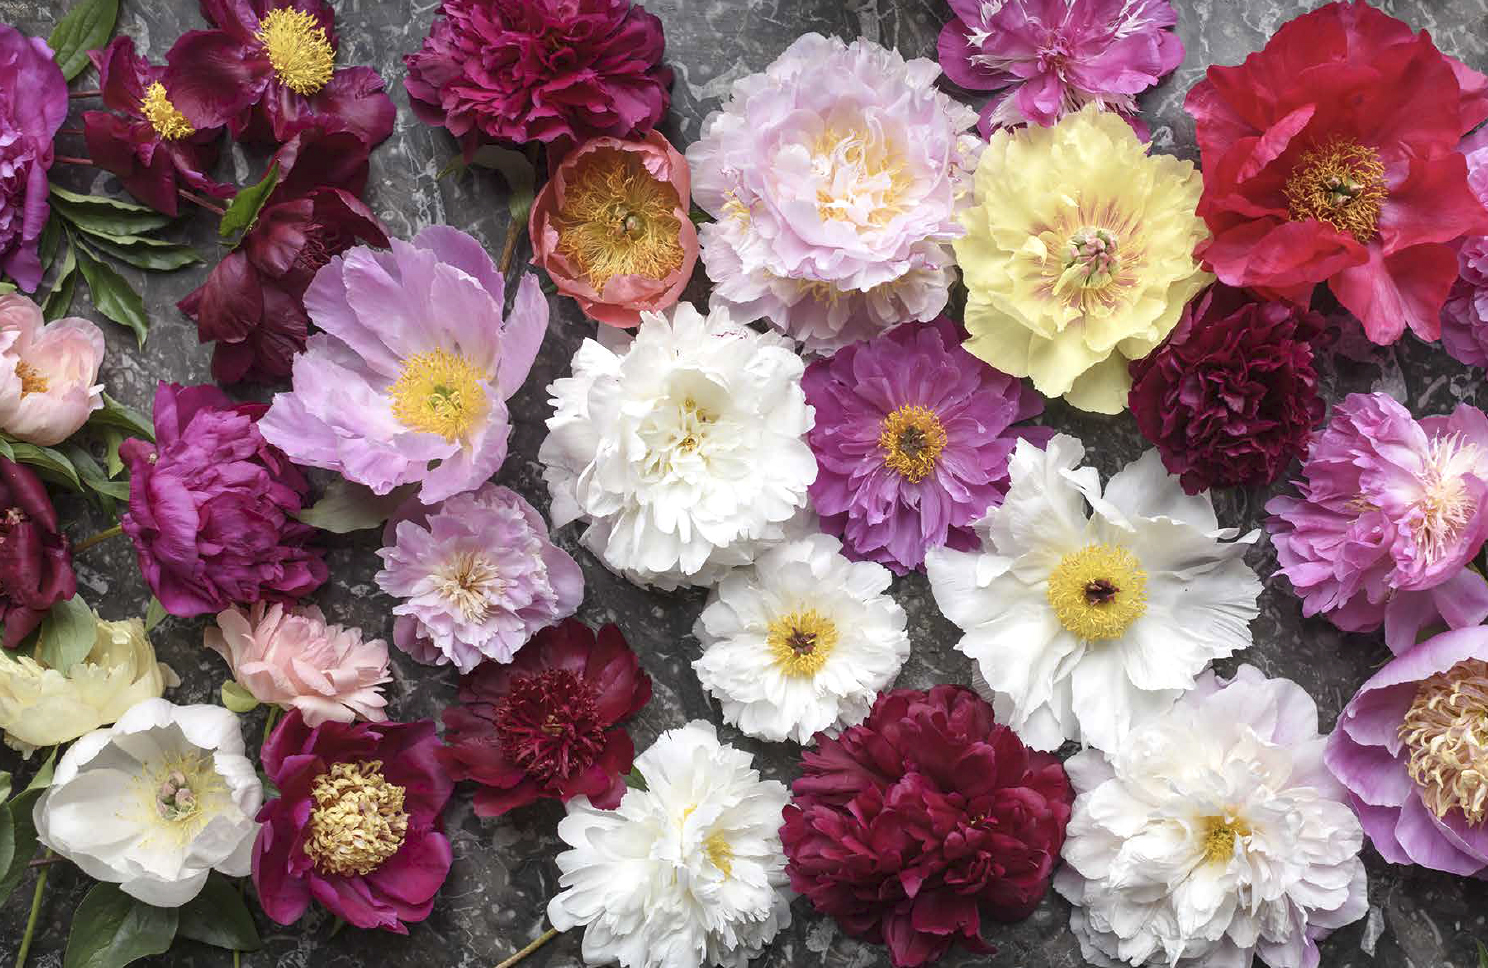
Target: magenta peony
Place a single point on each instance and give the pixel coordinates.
(1464, 318)
(48, 372)
(35, 556)
(33, 105)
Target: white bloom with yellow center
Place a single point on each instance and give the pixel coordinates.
(1089, 611)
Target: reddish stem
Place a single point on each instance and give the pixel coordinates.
(80, 94)
(73, 160)
(209, 206)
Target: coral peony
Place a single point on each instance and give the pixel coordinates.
(35, 556)
(48, 372)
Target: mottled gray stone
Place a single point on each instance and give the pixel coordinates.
(503, 872)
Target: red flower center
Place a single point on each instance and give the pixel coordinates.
(549, 726)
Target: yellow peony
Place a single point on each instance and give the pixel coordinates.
(1078, 255)
(43, 707)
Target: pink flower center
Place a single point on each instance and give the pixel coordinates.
(549, 725)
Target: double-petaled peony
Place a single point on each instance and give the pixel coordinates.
(35, 556)
(1390, 512)
(551, 723)
(33, 105)
(910, 828)
(1464, 317)
(48, 372)
(1331, 156)
(836, 177)
(535, 70)
(212, 505)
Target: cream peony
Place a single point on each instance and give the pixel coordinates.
(48, 372)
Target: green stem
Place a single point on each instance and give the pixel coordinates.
(542, 939)
(270, 719)
(41, 880)
(98, 538)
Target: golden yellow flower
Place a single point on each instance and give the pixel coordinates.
(1078, 255)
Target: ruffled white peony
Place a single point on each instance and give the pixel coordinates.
(1084, 621)
(801, 642)
(686, 872)
(1214, 837)
(683, 451)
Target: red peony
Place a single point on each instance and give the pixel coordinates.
(1331, 156)
(547, 725)
(906, 828)
(35, 556)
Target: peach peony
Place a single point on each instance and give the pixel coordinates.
(48, 372)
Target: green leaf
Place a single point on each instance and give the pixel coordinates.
(58, 302)
(6, 450)
(100, 213)
(93, 477)
(243, 211)
(67, 634)
(516, 169)
(1482, 956)
(219, 917)
(112, 438)
(50, 243)
(7, 839)
(87, 26)
(7, 287)
(113, 295)
(111, 929)
(126, 418)
(237, 699)
(142, 252)
(51, 462)
(5, 779)
(23, 841)
(347, 507)
(43, 777)
(634, 779)
(155, 614)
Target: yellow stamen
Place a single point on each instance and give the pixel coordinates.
(298, 50)
(801, 642)
(1340, 183)
(180, 794)
(865, 175)
(720, 853)
(439, 393)
(1098, 591)
(32, 379)
(617, 219)
(358, 821)
(467, 581)
(157, 108)
(1446, 505)
(1446, 731)
(912, 438)
(1219, 839)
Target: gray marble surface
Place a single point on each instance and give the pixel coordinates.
(503, 873)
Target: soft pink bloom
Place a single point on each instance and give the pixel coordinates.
(292, 658)
(48, 372)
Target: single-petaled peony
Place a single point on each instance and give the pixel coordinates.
(1331, 156)
(687, 871)
(477, 576)
(1091, 267)
(268, 70)
(836, 177)
(535, 70)
(549, 724)
(35, 556)
(1412, 749)
(611, 228)
(1230, 400)
(410, 379)
(212, 505)
(1213, 836)
(358, 824)
(155, 803)
(48, 372)
(294, 659)
(911, 827)
(1084, 623)
(1464, 317)
(1048, 58)
(33, 105)
(1389, 513)
(153, 149)
(684, 451)
(912, 440)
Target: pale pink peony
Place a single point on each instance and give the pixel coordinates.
(48, 372)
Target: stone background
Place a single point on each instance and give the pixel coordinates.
(503, 873)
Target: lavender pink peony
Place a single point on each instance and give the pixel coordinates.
(1464, 318)
(33, 105)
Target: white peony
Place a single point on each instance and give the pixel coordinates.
(1215, 835)
(156, 802)
(686, 872)
(684, 451)
(1084, 621)
(801, 642)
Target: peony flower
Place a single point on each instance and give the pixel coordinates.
(211, 507)
(35, 556)
(910, 827)
(912, 439)
(835, 177)
(800, 642)
(33, 105)
(294, 659)
(1464, 316)
(611, 228)
(1331, 156)
(1049, 58)
(684, 451)
(1214, 836)
(48, 372)
(688, 870)
(153, 148)
(1389, 513)
(415, 366)
(1094, 264)
(1410, 749)
(268, 69)
(530, 70)
(358, 823)
(41, 706)
(548, 725)
(1231, 398)
(478, 577)
(1085, 623)
(156, 802)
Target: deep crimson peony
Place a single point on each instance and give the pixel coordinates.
(1331, 156)
(1231, 398)
(905, 828)
(540, 70)
(548, 724)
(35, 556)
(358, 823)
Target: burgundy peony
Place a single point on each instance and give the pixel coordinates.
(540, 70)
(909, 826)
(33, 105)
(211, 507)
(35, 556)
(1231, 398)
(548, 724)
(358, 823)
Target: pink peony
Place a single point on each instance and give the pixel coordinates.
(48, 372)
(1464, 318)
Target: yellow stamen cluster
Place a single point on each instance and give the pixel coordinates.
(1446, 505)
(1446, 731)
(720, 853)
(298, 50)
(1340, 183)
(157, 108)
(912, 438)
(181, 793)
(801, 642)
(1098, 591)
(1219, 839)
(358, 820)
(865, 173)
(466, 581)
(617, 219)
(32, 379)
(439, 393)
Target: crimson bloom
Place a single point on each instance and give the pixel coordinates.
(907, 827)
(35, 556)
(1331, 156)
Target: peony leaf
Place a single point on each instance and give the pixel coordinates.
(102, 214)
(87, 26)
(155, 614)
(52, 464)
(238, 699)
(634, 780)
(43, 777)
(142, 252)
(23, 841)
(245, 206)
(6, 288)
(111, 929)
(7, 839)
(5, 779)
(516, 169)
(347, 507)
(218, 917)
(125, 418)
(1482, 956)
(67, 634)
(58, 302)
(113, 295)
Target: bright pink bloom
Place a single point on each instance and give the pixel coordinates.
(33, 105)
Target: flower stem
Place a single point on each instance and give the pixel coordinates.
(41, 880)
(513, 233)
(270, 719)
(542, 939)
(46, 861)
(73, 160)
(78, 94)
(98, 538)
(204, 203)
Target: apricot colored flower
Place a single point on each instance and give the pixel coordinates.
(48, 372)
